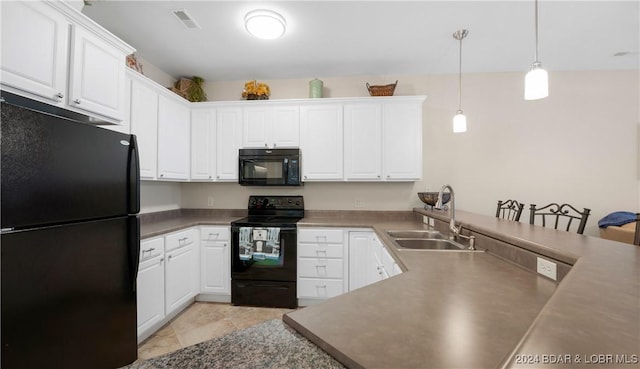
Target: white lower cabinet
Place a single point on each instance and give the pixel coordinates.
(332, 261)
(181, 269)
(150, 286)
(215, 261)
(369, 260)
(321, 264)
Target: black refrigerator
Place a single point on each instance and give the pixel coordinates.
(69, 243)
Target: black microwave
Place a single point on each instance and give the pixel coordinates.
(269, 167)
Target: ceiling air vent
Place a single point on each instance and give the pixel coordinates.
(186, 19)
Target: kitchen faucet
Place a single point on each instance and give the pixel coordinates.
(452, 223)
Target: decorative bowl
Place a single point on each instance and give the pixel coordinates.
(431, 198)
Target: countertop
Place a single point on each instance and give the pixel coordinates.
(473, 310)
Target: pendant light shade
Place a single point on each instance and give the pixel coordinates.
(536, 82)
(460, 120)
(265, 24)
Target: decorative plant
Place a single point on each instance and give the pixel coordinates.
(195, 93)
(256, 91)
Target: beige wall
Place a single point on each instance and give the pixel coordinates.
(579, 146)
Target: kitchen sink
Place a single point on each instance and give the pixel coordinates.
(422, 234)
(427, 244)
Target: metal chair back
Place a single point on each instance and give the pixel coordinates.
(560, 215)
(509, 209)
(636, 238)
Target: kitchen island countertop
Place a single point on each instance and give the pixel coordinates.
(475, 310)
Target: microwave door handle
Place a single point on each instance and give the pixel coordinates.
(285, 163)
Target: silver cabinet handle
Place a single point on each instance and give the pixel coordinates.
(305, 177)
(275, 145)
(388, 176)
(209, 177)
(161, 259)
(224, 244)
(161, 175)
(77, 101)
(265, 145)
(60, 95)
(378, 175)
(170, 256)
(218, 177)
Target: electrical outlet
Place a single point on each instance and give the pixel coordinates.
(358, 204)
(210, 201)
(547, 268)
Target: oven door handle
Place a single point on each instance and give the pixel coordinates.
(237, 228)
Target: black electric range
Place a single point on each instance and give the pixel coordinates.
(264, 252)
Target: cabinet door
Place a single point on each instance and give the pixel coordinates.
(361, 263)
(285, 127)
(203, 144)
(215, 273)
(228, 142)
(144, 124)
(363, 141)
(321, 134)
(150, 293)
(173, 139)
(34, 49)
(402, 140)
(256, 127)
(96, 75)
(180, 277)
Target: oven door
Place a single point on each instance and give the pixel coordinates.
(263, 253)
(263, 170)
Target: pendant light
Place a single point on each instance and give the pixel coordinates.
(536, 82)
(459, 120)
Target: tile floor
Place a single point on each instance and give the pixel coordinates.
(203, 321)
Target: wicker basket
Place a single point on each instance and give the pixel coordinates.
(386, 90)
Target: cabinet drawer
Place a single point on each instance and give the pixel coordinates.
(319, 288)
(181, 239)
(151, 248)
(214, 233)
(320, 235)
(321, 268)
(315, 250)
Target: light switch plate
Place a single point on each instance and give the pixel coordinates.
(547, 268)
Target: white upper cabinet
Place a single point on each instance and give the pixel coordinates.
(321, 133)
(173, 138)
(285, 127)
(144, 124)
(402, 140)
(383, 140)
(35, 41)
(96, 75)
(363, 141)
(228, 142)
(203, 144)
(54, 54)
(271, 127)
(256, 126)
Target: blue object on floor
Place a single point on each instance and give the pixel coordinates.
(617, 218)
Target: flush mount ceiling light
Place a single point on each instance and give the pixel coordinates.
(265, 24)
(536, 82)
(459, 120)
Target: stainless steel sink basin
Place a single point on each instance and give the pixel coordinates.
(424, 234)
(427, 244)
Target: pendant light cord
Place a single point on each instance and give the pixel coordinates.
(536, 20)
(460, 78)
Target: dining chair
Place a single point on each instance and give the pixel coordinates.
(636, 238)
(510, 209)
(557, 212)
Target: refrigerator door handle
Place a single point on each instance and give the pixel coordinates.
(134, 248)
(133, 177)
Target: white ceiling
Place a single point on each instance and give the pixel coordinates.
(344, 38)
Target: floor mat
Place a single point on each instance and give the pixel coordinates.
(269, 345)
